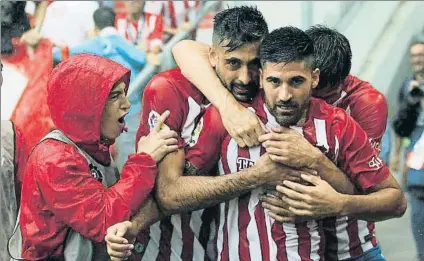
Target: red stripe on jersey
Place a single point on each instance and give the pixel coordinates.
(304, 241)
(208, 216)
(279, 237)
(371, 228)
(331, 242)
(165, 240)
(224, 153)
(355, 248)
(321, 249)
(143, 238)
(244, 216)
(188, 237)
(172, 14)
(262, 230)
(225, 254)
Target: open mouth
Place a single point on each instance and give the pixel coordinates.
(122, 119)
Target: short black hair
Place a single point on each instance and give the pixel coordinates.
(104, 17)
(333, 55)
(240, 25)
(287, 44)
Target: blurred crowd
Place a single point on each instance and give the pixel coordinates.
(75, 36)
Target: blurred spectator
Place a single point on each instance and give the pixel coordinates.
(386, 144)
(412, 119)
(409, 123)
(170, 17)
(14, 22)
(69, 23)
(109, 44)
(131, 23)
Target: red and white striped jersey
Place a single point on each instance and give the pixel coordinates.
(173, 14)
(349, 237)
(244, 232)
(185, 236)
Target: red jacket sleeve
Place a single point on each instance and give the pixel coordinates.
(359, 160)
(83, 203)
(161, 95)
(205, 144)
(371, 115)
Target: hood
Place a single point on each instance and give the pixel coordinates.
(77, 92)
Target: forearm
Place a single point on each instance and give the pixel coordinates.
(199, 71)
(189, 193)
(148, 214)
(40, 14)
(378, 206)
(334, 176)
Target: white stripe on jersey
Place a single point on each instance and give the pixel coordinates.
(342, 238)
(220, 234)
(336, 149)
(194, 110)
(233, 213)
(363, 233)
(321, 133)
(315, 240)
(176, 239)
(196, 225)
(292, 242)
(152, 249)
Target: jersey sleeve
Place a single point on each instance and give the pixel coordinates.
(205, 144)
(160, 95)
(357, 157)
(372, 117)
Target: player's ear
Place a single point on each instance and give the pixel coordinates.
(315, 78)
(213, 56)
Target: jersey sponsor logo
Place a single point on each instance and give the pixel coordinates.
(244, 163)
(196, 133)
(153, 119)
(375, 163)
(375, 144)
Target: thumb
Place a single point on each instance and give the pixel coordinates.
(122, 230)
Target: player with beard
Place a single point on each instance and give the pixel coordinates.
(287, 78)
(234, 56)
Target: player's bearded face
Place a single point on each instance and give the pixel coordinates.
(238, 70)
(288, 89)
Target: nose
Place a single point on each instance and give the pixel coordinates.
(244, 75)
(285, 93)
(126, 105)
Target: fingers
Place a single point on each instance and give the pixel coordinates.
(283, 219)
(316, 180)
(114, 239)
(120, 250)
(239, 140)
(161, 121)
(273, 202)
(296, 187)
(171, 148)
(171, 141)
(279, 159)
(167, 134)
(268, 144)
(123, 228)
(296, 204)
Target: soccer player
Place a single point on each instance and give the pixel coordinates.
(348, 237)
(337, 87)
(287, 79)
(185, 236)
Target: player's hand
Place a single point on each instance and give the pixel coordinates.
(319, 200)
(289, 147)
(31, 37)
(153, 58)
(119, 240)
(274, 173)
(242, 125)
(276, 207)
(159, 142)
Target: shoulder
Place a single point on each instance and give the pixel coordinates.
(57, 155)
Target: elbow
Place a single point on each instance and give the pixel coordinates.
(401, 207)
(167, 201)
